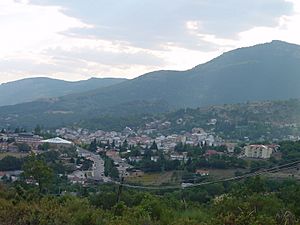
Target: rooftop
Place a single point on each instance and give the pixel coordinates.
(57, 140)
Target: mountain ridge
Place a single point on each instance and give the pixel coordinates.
(269, 71)
(30, 89)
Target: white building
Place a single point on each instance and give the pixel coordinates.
(258, 151)
(57, 142)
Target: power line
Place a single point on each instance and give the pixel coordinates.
(270, 170)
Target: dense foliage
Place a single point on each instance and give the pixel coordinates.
(254, 201)
(9, 163)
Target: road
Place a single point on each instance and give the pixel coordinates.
(98, 166)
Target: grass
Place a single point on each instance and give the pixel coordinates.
(195, 214)
(14, 154)
(154, 179)
(223, 173)
(174, 177)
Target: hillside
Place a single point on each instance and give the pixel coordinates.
(31, 89)
(268, 71)
(263, 72)
(256, 121)
(253, 121)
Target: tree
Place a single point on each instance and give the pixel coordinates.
(38, 170)
(113, 144)
(44, 146)
(87, 164)
(110, 169)
(37, 130)
(23, 147)
(114, 173)
(124, 146)
(93, 145)
(154, 146)
(148, 154)
(179, 147)
(10, 163)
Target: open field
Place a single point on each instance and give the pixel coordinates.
(224, 173)
(175, 177)
(155, 178)
(14, 154)
(288, 173)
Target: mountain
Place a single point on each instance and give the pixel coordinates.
(268, 71)
(27, 90)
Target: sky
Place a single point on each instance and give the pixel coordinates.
(76, 39)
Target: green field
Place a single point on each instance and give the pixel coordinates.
(223, 173)
(14, 154)
(155, 179)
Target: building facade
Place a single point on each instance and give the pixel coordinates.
(258, 151)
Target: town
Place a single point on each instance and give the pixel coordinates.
(109, 156)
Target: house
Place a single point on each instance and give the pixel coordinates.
(176, 157)
(3, 146)
(154, 158)
(258, 151)
(100, 150)
(202, 172)
(2, 174)
(122, 169)
(112, 153)
(230, 147)
(28, 138)
(275, 147)
(212, 122)
(3, 137)
(12, 147)
(135, 158)
(12, 175)
(77, 177)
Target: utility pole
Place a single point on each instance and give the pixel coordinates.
(119, 193)
(182, 198)
(120, 189)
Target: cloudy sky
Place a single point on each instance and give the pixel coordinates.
(78, 39)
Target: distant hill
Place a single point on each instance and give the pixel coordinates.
(268, 71)
(254, 121)
(31, 89)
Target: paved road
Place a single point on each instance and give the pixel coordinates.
(98, 166)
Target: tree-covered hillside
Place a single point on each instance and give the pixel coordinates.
(255, 121)
(263, 72)
(264, 120)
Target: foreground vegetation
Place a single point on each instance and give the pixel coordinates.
(43, 195)
(253, 201)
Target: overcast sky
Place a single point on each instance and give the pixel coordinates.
(79, 39)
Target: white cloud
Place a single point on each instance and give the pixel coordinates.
(31, 32)
(28, 27)
(193, 25)
(286, 30)
(40, 40)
